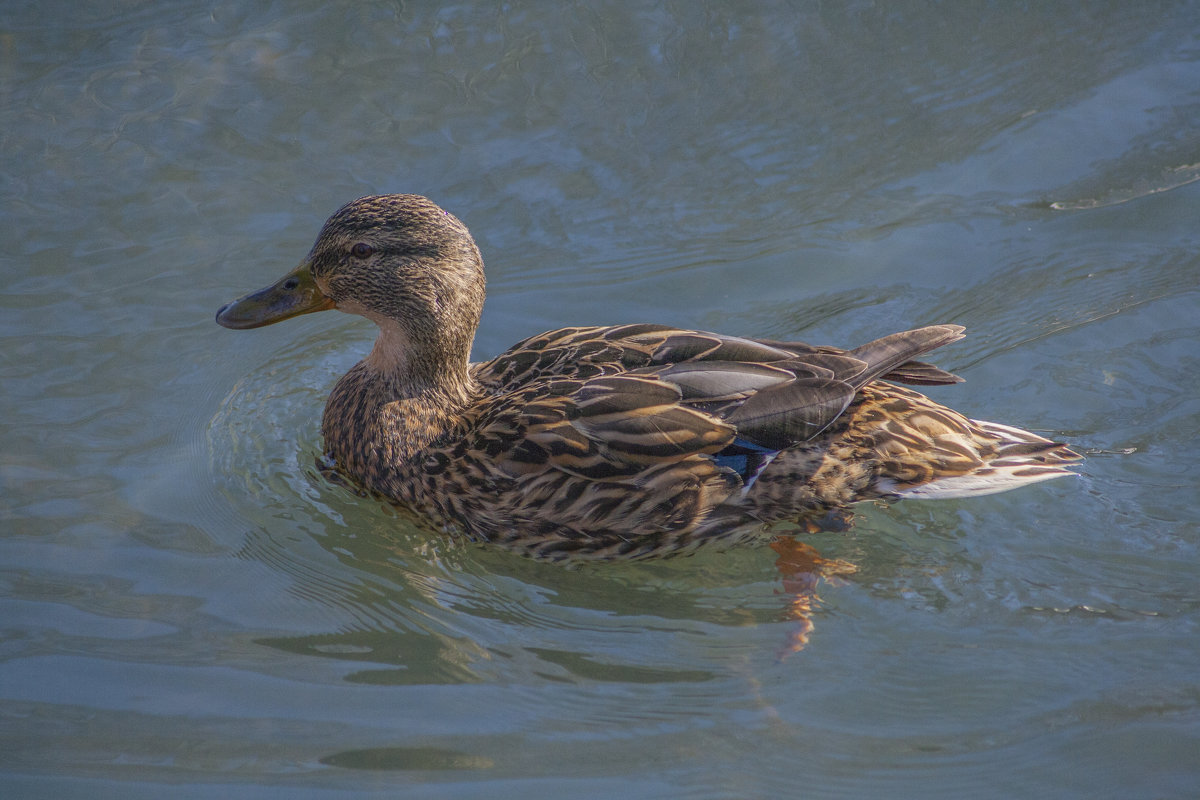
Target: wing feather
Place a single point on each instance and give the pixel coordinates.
(786, 415)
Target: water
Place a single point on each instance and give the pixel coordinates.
(188, 609)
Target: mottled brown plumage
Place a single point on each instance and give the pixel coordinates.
(626, 441)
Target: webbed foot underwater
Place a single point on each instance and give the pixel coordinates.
(627, 441)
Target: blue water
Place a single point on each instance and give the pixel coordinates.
(189, 609)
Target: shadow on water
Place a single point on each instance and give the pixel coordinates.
(407, 758)
(425, 608)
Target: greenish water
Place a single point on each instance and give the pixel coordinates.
(187, 609)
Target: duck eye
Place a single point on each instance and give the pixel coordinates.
(361, 250)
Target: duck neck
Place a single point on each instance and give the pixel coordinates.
(428, 372)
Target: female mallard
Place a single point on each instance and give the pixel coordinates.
(625, 441)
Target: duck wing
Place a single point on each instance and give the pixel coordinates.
(610, 403)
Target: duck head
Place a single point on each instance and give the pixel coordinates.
(400, 261)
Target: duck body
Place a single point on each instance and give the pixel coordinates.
(625, 441)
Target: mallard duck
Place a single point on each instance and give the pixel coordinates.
(623, 441)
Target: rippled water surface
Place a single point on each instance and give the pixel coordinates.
(188, 608)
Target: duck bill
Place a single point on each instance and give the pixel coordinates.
(292, 295)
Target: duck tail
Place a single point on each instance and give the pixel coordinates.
(1011, 458)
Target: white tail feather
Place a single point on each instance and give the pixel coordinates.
(987, 480)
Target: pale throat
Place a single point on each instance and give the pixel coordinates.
(412, 373)
(391, 352)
